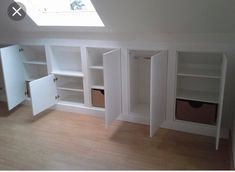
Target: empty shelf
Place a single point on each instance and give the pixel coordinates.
(199, 72)
(68, 73)
(101, 87)
(35, 62)
(98, 67)
(70, 89)
(210, 97)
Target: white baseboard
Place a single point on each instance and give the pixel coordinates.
(81, 109)
(190, 127)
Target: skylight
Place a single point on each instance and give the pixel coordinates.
(62, 12)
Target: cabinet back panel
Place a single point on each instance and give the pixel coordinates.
(69, 82)
(34, 53)
(142, 53)
(71, 96)
(200, 58)
(35, 71)
(67, 58)
(97, 77)
(96, 55)
(139, 81)
(198, 84)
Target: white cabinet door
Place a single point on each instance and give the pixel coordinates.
(112, 85)
(13, 74)
(43, 94)
(221, 99)
(158, 91)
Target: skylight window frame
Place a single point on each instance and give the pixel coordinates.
(83, 18)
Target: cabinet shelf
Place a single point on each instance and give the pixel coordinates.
(210, 97)
(101, 87)
(70, 89)
(199, 72)
(35, 62)
(98, 67)
(68, 73)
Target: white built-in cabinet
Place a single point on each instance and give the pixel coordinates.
(55, 75)
(104, 73)
(65, 63)
(147, 87)
(21, 65)
(200, 80)
(65, 75)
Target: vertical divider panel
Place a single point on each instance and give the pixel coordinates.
(84, 60)
(112, 85)
(221, 99)
(158, 89)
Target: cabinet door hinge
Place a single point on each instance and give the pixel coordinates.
(55, 79)
(21, 49)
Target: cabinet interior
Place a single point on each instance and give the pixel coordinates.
(70, 96)
(199, 77)
(34, 59)
(69, 83)
(66, 59)
(140, 74)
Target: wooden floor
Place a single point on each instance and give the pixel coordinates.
(67, 141)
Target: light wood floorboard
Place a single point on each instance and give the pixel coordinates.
(68, 141)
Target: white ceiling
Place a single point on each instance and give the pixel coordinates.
(144, 16)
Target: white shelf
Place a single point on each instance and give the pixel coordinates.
(70, 85)
(68, 73)
(70, 89)
(98, 67)
(203, 96)
(71, 99)
(35, 62)
(196, 72)
(100, 87)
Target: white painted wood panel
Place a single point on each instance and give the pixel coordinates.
(13, 74)
(43, 94)
(221, 99)
(158, 91)
(112, 85)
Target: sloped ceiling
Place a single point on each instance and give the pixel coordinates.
(142, 16)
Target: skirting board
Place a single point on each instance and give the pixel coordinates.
(175, 125)
(81, 109)
(75, 108)
(195, 128)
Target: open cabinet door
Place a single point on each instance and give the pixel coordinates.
(13, 74)
(43, 94)
(158, 88)
(221, 99)
(112, 85)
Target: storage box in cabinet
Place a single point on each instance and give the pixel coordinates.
(97, 97)
(196, 111)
